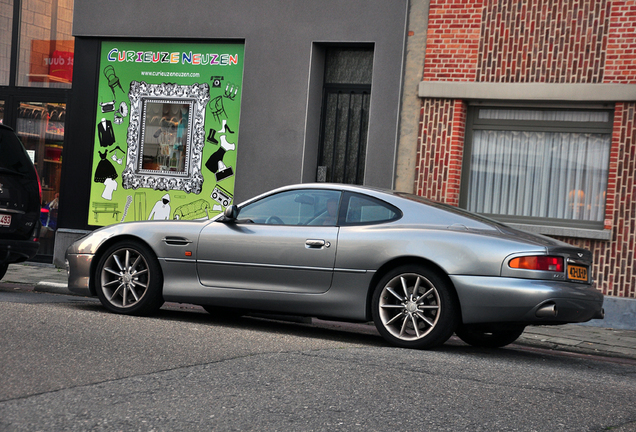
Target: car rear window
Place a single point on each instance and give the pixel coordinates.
(14, 156)
(362, 209)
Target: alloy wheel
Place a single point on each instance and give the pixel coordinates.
(409, 307)
(125, 277)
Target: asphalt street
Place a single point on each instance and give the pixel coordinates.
(572, 338)
(67, 364)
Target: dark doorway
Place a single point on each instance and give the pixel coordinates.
(345, 114)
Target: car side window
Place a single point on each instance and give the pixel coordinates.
(367, 210)
(298, 207)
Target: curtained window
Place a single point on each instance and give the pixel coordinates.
(538, 166)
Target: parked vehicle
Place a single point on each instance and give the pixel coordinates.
(20, 196)
(419, 269)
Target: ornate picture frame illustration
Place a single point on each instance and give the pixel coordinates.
(166, 136)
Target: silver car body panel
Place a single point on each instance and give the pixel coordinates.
(296, 259)
(329, 271)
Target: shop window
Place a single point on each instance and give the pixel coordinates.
(345, 114)
(164, 136)
(46, 44)
(164, 144)
(538, 166)
(40, 127)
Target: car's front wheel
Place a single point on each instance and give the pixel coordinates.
(128, 279)
(491, 336)
(413, 307)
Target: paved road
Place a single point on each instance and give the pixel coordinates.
(66, 364)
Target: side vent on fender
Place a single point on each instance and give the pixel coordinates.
(176, 241)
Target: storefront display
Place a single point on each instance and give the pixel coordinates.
(166, 131)
(40, 127)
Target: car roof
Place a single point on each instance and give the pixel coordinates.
(4, 126)
(338, 186)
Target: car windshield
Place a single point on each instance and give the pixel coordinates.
(14, 157)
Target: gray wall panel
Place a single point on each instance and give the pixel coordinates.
(278, 142)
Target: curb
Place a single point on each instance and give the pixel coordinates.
(53, 288)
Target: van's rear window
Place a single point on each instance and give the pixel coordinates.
(13, 156)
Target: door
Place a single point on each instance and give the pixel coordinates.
(345, 114)
(286, 242)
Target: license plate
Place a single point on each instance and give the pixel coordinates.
(5, 220)
(577, 273)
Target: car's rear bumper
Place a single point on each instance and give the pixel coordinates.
(79, 270)
(500, 299)
(14, 251)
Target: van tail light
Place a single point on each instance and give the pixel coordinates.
(39, 186)
(540, 262)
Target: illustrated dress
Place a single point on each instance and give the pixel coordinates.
(105, 169)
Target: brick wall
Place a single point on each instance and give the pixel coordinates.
(453, 40)
(438, 172)
(620, 66)
(553, 41)
(543, 41)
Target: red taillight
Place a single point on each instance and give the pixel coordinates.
(39, 186)
(541, 262)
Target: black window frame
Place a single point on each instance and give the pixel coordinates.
(473, 122)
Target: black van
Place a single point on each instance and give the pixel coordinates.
(20, 196)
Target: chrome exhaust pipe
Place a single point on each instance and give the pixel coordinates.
(547, 311)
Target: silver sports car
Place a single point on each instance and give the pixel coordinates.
(420, 270)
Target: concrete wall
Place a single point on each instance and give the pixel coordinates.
(283, 71)
(281, 101)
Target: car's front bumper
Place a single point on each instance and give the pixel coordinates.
(79, 271)
(500, 299)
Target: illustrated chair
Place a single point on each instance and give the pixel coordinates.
(113, 80)
(217, 109)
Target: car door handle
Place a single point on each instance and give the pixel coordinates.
(317, 244)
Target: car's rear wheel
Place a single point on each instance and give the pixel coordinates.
(413, 307)
(128, 279)
(489, 336)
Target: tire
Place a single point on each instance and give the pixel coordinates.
(223, 312)
(128, 279)
(489, 336)
(413, 307)
(3, 270)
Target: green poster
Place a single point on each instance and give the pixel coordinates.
(166, 131)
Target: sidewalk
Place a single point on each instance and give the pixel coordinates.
(575, 338)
